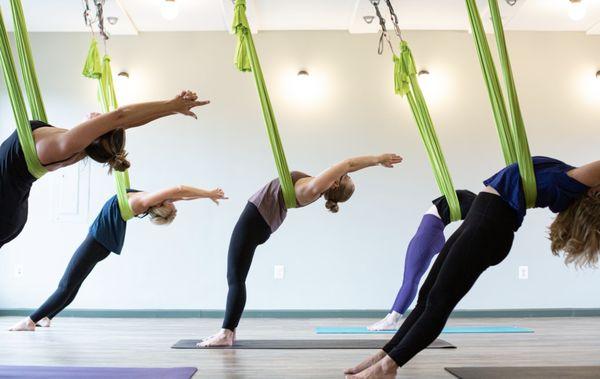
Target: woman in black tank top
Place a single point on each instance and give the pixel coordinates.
(101, 138)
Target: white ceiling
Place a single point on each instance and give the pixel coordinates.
(215, 15)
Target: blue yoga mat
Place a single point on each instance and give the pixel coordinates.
(447, 330)
(58, 372)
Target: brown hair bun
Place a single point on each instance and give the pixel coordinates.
(119, 162)
(332, 206)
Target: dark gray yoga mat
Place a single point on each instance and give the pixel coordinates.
(324, 344)
(559, 372)
(59, 372)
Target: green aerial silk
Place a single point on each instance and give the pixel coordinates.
(107, 97)
(19, 108)
(32, 87)
(513, 137)
(93, 67)
(406, 84)
(122, 183)
(246, 59)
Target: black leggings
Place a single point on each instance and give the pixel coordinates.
(483, 240)
(89, 253)
(250, 231)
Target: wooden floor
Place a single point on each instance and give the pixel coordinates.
(146, 342)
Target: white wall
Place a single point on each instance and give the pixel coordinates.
(352, 260)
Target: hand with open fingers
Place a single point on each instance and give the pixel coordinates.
(186, 101)
(389, 160)
(216, 195)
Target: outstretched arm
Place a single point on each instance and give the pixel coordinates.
(588, 174)
(312, 189)
(143, 202)
(61, 146)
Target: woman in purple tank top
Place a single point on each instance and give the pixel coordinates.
(485, 239)
(264, 214)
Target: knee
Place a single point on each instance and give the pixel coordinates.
(234, 278)
(65, 288)
(439, 303)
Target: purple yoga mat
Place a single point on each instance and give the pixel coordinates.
(57, 372)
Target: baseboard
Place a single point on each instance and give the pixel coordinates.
(334, 313)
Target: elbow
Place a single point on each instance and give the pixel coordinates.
(349, 165)
(119, 118)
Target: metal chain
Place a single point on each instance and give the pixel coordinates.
(100, 18)
(395, 21)
(87, 13)
(384, 33)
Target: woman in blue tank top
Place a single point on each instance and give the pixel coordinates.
(106, 235)
(485, 239)
(101, 138)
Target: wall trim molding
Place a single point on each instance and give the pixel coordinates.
(332, 313)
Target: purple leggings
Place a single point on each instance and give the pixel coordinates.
(426, 244)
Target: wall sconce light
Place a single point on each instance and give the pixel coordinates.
(598, 76)
(169, 9)
(123, 80)
(577, 10)
(112, 20)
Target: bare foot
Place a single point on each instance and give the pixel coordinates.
(385, 368)
(225, 337)
(366, 363)
(44, 323)
(25, 325)
(390, 322)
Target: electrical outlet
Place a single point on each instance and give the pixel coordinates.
(523, 272)
(18, 271)
(278, 272)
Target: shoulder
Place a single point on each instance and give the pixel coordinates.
(297, 175)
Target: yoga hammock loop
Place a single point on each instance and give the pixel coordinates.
(101, 71)
(246, 59)
(407, 84)
(15, 94)
(513, 137)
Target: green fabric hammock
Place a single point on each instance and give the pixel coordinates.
(513, 137)
(246, 59)
(107, 98)
(15, 94)
(32, 87)
(122, 184)
(93, 66)
(407, 84)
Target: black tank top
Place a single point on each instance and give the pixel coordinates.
(15, 184)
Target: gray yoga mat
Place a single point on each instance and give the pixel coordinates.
(559, 372)
(326, 344)
(60, 372)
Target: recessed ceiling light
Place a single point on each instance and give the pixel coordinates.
(369, 19)
(169, 9)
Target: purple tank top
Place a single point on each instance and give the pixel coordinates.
(269, 201)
